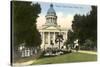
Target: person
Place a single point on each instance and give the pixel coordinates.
(76, 45)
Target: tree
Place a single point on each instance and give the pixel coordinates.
(24, 15)
(70, 38)
(85, 27)
(59, 39)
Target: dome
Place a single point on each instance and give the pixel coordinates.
(51, 11)
(51, 18)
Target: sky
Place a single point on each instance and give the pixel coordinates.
(64, 12)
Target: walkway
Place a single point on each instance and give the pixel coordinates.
(88, 52)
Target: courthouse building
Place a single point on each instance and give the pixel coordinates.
(51, 29)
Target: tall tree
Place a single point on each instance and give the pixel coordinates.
(70, 38)
(24, 15)
(85, 27)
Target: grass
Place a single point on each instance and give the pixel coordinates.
(67, 58)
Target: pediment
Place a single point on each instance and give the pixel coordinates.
(51, 28)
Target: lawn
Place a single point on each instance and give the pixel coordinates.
(66, 58)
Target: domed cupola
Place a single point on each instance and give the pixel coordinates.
(51, 11)
(51, 18)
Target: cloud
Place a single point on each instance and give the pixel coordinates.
(40, 20)
(63, 20)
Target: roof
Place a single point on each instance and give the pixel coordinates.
(51, 11)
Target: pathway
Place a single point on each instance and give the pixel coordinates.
(88, 52)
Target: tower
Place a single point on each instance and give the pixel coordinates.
(51, 18)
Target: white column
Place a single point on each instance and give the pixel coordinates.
(48, 38)
(54, 38)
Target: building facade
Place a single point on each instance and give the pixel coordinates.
(50, 30)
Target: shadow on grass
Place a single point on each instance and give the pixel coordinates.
(22, 59)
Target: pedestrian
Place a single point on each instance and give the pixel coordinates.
(76, 45)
